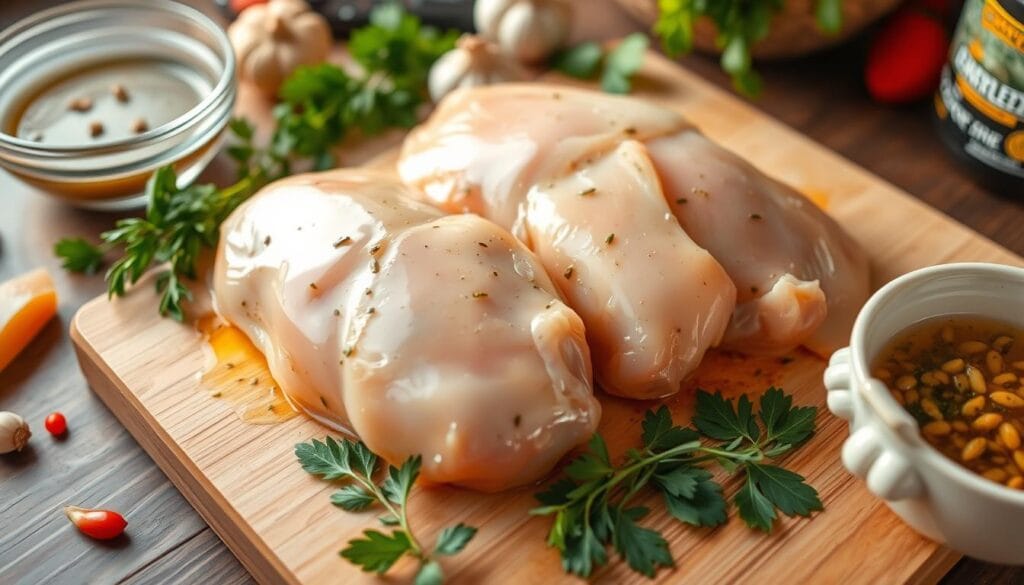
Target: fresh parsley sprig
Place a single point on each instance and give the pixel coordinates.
(320, 106)
(594, 505)
(740, 24)
(376, 551)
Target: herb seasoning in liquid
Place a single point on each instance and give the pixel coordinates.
(961, 378)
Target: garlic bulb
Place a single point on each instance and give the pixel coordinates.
(528, 30)
(14, 432)
(274, 39)
(473, 62)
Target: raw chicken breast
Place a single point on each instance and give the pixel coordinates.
(799, 279)
(568, 177)
(422, 333)
(652, 300)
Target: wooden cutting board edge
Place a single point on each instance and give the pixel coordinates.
(262, 563)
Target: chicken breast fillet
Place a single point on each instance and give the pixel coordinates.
(569, 175)
(798, 278)
(421, 333)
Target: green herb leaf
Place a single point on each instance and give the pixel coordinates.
(430, 573)
(581, 61)
(740, 24)
(784, 424)
(785, 489)
(557, 494)
(353, 498)
(399, 481)
(594, 464)
(829, 14)
(644, 549)
(623, 62)
(675, 26)
(172, 293)
(591, 505)
(775, 406)
(754, 508)
(582, 551)
(736, 56)
(376, 552)
(716, 417)
(242, 128)
(328, 459)
(660, 433)
(78, 255)
(681, 481)
(699, 505)
(453, 539)
(361, 459)
(397, 43)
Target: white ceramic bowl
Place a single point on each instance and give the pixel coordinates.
(933, 494)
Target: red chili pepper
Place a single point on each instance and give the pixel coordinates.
(240, 5)
(907, 55)
(56, 424)
(98, 524)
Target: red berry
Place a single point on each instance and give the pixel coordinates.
(240, 5)
(906, 58)
(98, 524)
(56, 424)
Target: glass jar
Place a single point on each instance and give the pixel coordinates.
(980, 102)
(111, 174)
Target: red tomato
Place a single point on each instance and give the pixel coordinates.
(906, 57)
(56, 424)
(240, 5)
(98, 524)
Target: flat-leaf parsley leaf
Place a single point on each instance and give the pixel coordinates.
(592, 505)
(376, 551)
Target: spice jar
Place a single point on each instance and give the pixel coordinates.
(980, 102)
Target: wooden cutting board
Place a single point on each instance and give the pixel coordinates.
(244, 480)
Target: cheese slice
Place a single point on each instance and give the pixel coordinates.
(27, 303)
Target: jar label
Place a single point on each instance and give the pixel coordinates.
(981, 95)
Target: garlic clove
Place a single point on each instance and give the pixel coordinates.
(472, 63)
(528, 30)
(14, 432)
(487, 16)
(272, 39)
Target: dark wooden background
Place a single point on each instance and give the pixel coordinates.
(100, 465)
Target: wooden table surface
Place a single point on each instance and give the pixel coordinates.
(99, 465)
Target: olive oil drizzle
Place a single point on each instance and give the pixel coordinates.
(240, 376)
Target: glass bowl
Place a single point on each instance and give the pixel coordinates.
(111, 174)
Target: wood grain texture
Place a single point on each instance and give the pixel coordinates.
(245, 482)
(820, 96)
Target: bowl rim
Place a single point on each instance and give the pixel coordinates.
(922, 451)
(218, 93)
